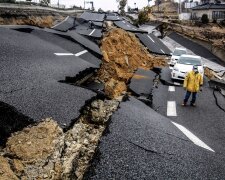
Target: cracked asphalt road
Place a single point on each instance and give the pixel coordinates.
(30, 72)
(140, 143)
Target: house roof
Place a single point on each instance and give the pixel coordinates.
(209, 6)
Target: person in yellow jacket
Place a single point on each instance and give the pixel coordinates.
(192, 83)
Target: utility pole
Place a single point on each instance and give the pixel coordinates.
(90, 2)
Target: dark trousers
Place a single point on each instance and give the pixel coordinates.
(188, 94)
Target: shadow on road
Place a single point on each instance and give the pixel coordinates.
(11, 120)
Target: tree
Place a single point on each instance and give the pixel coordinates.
(100, 10)
(205, 19)
(122, 4)
(143, 17)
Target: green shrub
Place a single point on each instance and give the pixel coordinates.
(143, 17)
(205, 19)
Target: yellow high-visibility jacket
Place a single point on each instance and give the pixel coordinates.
(193, 81)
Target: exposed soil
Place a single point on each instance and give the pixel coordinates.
(40, 21)
(209, 73)
(210, 33)
(43, 151)
(40, 18)
(122, 55)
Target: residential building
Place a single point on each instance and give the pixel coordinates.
(214, 11)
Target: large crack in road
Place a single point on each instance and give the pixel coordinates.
(45, 150)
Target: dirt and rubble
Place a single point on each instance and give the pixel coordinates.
(45, 151)
(122, 55)
(39, 18)
(39, 21)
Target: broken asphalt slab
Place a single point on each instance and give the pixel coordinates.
(96, 33)
(30, 72)
(142, 82)
(85, 42)
(89, 16)
(68, 45)
(165, 77)
(128, 26)
(60, 101)
(65, 25)
(217, 83)
(113, 18)
(72, 35)
(141, 144)
(154, 44)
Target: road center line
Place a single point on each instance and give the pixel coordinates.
(80, 53)
(92, 32)
(171, 108)
(171, 88)
(192, 137)
(162, 51)
(151, 39)
(63, 54)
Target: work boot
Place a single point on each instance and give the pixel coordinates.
(193, 104)
(184, 104)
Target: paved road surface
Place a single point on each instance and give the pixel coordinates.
(30, 72)
(141, 144)
(206, 120)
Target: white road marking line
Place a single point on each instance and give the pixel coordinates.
(171, 88)
(92, 32)
(80, 53)
(171, 108)
(123, 21)
(63, 54)
(60, 22)
(128, 25)
(151, 39)
(192, 137)
(162, 51)
(134, 28)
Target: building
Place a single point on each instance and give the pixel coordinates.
(214, 11)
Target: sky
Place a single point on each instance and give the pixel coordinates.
(103, 4)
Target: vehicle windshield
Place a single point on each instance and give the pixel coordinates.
(190, 61)
(179, 52)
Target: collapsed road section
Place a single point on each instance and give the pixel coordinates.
(45, 150)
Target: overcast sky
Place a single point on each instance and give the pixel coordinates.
(104, 4)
